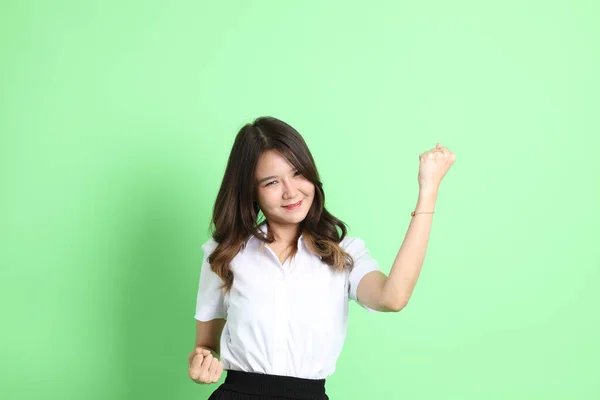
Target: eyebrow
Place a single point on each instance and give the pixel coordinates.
(273, 176)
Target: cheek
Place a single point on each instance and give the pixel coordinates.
(267, 198)
(309, 189)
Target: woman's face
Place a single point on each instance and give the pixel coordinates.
(279, 185)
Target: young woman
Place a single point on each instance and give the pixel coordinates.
(279, 270)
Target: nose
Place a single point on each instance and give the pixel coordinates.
(290, 190)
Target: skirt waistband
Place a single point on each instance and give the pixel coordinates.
(274, 385)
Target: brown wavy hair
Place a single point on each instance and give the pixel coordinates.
(236, 213)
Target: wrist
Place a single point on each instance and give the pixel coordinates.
(426, 201)
(213, 352)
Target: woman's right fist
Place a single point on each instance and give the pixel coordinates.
(203, 366)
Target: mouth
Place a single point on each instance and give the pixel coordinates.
(293, 206)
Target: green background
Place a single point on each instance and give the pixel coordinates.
(116, 120)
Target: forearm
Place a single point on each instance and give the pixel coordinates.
(406, 269)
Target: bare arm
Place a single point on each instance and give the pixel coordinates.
(406, 269)
(208, 335)
(392, 293)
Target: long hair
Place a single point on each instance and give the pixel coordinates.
(236, 213)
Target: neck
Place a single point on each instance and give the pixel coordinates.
(284, 233)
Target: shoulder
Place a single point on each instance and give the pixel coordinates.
(209, 246)
(350, 243)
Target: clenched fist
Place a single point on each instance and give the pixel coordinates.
(433, 165)
(204, 367)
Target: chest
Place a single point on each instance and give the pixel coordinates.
(280, 251)
(302, 291)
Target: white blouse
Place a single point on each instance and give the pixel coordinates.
(282, 319)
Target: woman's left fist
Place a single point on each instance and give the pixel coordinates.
(433, 165)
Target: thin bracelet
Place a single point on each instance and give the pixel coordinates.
(421, 212)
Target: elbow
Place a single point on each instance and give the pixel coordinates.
(395, 306)
(393, 299)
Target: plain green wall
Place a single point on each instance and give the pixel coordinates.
(116, 119)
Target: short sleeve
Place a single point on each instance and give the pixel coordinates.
(363, 264)
(210, 300)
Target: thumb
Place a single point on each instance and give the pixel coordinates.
(438, 146)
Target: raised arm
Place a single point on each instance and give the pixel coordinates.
(393, 292)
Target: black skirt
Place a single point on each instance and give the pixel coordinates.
(241, 385)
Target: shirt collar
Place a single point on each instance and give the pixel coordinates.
(263, 229)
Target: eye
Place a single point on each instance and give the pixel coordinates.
(273, 182)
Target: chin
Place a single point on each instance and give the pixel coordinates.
(296, 219)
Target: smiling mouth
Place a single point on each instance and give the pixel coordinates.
(295, 205)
